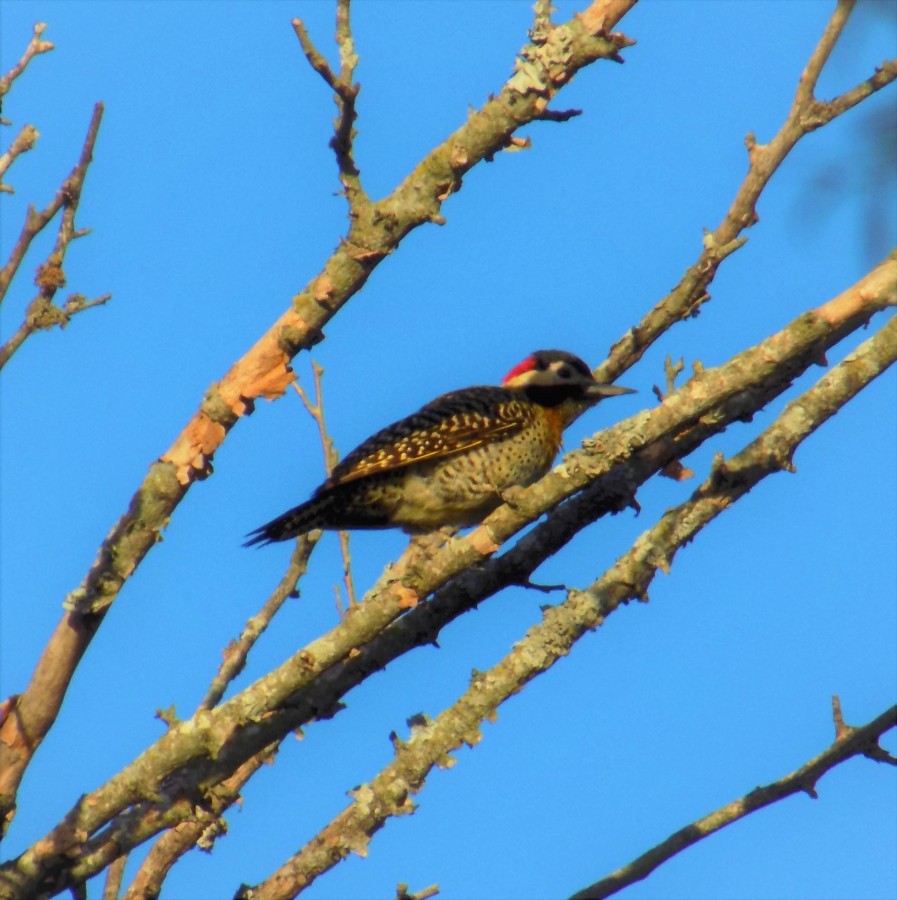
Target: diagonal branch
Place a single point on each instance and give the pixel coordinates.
(207, 748)
(42, 314)
(204, 823)
(199, 827)
(263, 371)
(35, 47)
(854, 742)
(67, 197)
(806, 87)
(114, 877)
(806, 115)
(431, 743)
(236, 652)
(22, 143)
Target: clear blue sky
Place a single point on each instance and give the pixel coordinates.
(212, 199)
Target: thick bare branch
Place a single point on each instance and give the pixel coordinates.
(855, 742)
(263, 371)
(432, 742)
(208, 747)
(199, 828)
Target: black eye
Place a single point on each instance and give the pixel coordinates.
(564, 372)
(541, 365)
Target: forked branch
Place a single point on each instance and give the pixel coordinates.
(204, 823)
(35, 47)
(264, 369)
(345, 92)
(22, 143)
(68, 196)
(42, 312)
(430, 744)
(309, 685)
(806, 115)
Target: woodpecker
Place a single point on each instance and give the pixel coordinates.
(451, 462)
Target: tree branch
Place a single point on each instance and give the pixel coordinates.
(22, 143)
(857, 742)
(205, 822)
(345, 92)
(424, 894)
(237, 652)
(35, 47)
(42, 313)
(67, 197)
(199, 828)
(263, 371)
(806, 87)
(432, 742)
(331, 458)
(264, 368)
(806, 115)
(207, 748)
(114, 875)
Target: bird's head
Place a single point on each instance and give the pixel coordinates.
(550, 377)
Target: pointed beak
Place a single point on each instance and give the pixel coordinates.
(608, 390)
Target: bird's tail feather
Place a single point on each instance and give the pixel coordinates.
(296, 521)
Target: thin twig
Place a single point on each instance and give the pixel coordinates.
(22, 143)
(114, 875)
(331, 458)
(806, 115)
(873, 750)
(345, 93)
(35, 47)
(316, 411)
(67, 198)
(402, 892)
(236, 652)
(806, 88)
(42, 315)
(348, 581)
(316, 59)
(802, 780)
